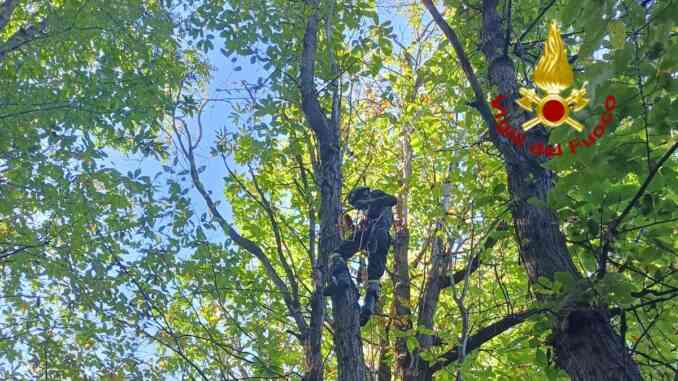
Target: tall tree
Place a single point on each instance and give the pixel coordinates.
(79, 79)
(585, 343)
(112, 275)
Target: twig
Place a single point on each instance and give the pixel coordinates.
(535, 21)
(612, 227)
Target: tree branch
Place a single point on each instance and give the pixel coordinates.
(289, 273)
(489, 243)
(484, 335)
(671, 294)
(480, 103)
(484, 109)
(309, 102)
(458, 276)
(18, 249)
(647, 182)
(535, 21)
(21, 37)
(244, 243)
(7, 11)
(612, 227)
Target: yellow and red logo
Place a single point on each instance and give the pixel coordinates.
(553, 75)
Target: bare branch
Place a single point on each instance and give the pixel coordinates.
(243, 242)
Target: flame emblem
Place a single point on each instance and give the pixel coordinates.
(553, 74)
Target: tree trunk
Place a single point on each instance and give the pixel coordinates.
(312, 340)
(384, 363)
(585, 345)
(419, 369)
(401, 269)
(401, 300)
(347, 341)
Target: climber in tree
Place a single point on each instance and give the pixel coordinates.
(373, 237)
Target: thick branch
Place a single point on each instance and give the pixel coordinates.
(244, 243)
(447, 280)
(309, 100)
(484, 335)
(480, 102)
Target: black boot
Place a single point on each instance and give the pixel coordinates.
(340, 278)
(370, 303)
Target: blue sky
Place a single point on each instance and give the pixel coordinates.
(215, 117)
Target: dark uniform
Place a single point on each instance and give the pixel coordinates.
(372, 237)
(375, 237)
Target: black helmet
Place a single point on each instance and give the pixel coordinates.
(358, 194)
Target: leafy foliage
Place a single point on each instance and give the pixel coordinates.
(114, 275)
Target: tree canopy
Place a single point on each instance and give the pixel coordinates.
(173, 181)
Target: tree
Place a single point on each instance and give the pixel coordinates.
(585, 344)
(79, 79)
(540, 268)
(168, 281)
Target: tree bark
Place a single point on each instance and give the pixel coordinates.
(585, 345)
(347, 340)
(419, 369)
(401, 286)
(401, 300)
(384, 362)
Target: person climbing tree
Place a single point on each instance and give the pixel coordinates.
(372, 236)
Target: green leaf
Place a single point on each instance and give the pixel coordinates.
(411, 343)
